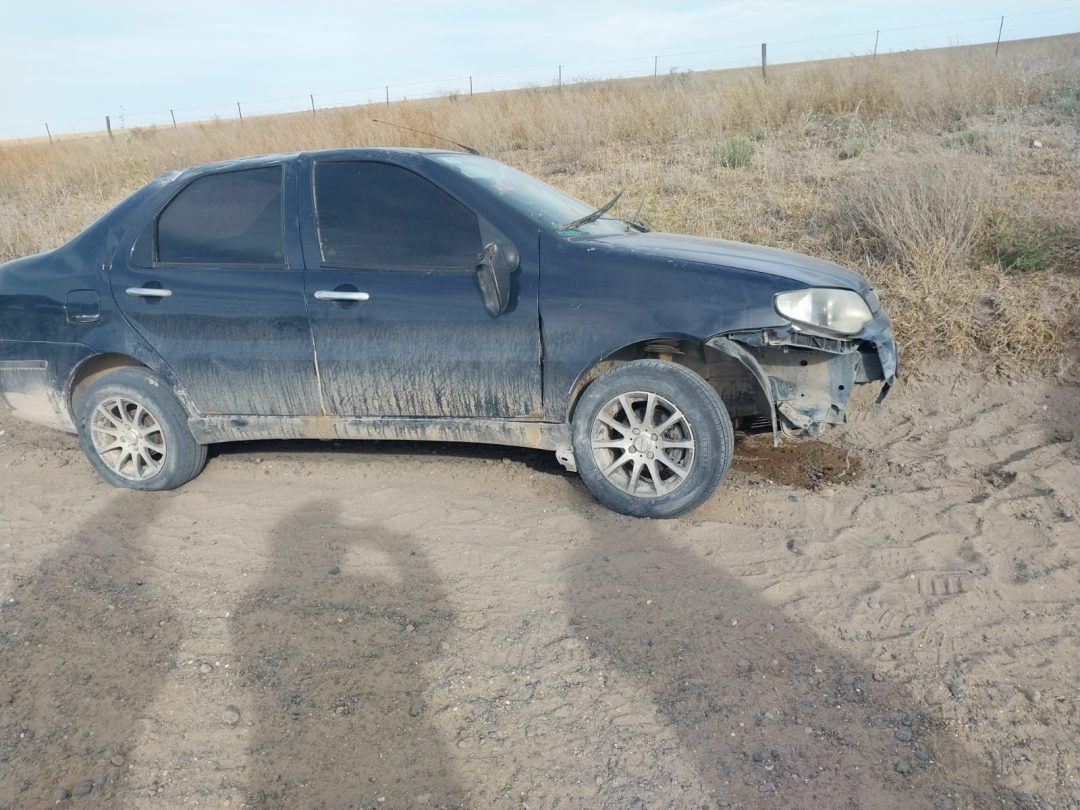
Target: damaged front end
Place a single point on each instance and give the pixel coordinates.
(806, 379)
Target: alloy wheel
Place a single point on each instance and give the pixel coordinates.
(128, 438)
(643, 444)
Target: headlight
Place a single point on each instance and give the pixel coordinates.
(843, 312)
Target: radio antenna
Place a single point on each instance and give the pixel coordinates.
(468, 149)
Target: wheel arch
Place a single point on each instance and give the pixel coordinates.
(94, 366)
(732, 372)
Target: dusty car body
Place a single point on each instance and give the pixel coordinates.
(487, 329)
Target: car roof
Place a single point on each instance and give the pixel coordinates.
(357, 153)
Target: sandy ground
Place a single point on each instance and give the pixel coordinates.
(891, 622)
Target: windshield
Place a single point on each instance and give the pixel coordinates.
(543, 204)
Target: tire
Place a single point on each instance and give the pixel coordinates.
(160, 454)
(690, 456)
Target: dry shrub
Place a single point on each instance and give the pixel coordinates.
(918, 219)
(960, 311)
(904, 209)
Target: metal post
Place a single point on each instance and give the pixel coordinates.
(1000, 27)
(470, 87)
(173, 114)
(655, 65)
(240, 112)
(764, 71)
(560, 75)
(387, 95)
(108, 127)
(47, 132)
(876, 35)
(312, 97)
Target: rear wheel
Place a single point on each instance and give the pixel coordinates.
(652, 439)
(134, 431)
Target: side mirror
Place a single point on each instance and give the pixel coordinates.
(494, 265)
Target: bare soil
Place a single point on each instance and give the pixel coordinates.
(883, 618)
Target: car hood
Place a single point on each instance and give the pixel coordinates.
(805, 270)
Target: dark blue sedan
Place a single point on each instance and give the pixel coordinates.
(421, 294)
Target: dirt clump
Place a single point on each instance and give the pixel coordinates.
(805, 463)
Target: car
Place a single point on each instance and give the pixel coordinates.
(425, 294)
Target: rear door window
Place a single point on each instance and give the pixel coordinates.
(230, 218)
(383, 217)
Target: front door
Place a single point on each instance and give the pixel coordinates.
(399, 325)
(210, 286)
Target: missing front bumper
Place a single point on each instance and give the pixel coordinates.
(808, 379)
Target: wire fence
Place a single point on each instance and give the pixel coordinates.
(980, 30)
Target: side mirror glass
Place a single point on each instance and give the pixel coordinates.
(494, 265)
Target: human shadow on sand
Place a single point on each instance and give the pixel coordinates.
(759, 703)
(86, 643)
(331, 645)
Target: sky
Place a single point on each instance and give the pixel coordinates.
(72, 63)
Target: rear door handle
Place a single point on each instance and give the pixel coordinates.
(148, 292)
(340, 295)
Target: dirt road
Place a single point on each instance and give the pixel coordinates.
(365, 626)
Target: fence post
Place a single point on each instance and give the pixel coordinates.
(47, 132)
(655, 64)
(560, 75)
(470, 87)
(1001, 25)
(240, 112)
(876, 35)
(108, 127)
(764, 71)
(173, 114)
(387, 95)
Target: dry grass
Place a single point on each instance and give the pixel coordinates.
(920, 170)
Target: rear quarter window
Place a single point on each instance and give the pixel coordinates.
(229, 218)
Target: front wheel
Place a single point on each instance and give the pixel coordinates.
(134, 431)
(652, 439)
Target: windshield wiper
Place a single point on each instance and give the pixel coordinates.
(636, 222)
(595, 215)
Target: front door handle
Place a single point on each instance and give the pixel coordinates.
(148, 292)
(340, 295)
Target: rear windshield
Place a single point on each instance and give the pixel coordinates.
(545, 205)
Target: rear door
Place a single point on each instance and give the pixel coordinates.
(399, 325)
(215, 285)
